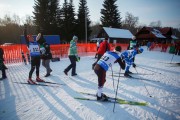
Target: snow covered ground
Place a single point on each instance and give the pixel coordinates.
(27, 102)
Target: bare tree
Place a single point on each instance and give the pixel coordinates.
(16, 19)
(10, 29)
(130, 22)
(156, 24)
(95, 27)
(29, 20)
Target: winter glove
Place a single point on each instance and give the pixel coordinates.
(77, 58)
(134, 65)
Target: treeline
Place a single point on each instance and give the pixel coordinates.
(52, 19)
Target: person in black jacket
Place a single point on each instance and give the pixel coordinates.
(2, 66)
(46, 55)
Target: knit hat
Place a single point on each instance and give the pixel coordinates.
(75, 38)
(118, 48)
(30, 37)
(133, 37)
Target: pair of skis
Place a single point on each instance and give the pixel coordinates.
(111, 100)
(45, 83)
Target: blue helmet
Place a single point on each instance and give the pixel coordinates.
(141, 50)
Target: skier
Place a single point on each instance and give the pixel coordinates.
(35, 56)
(45, 53)
(73, 57)
(128, 57)
(106, 61)
(104, 46)
(2, 66)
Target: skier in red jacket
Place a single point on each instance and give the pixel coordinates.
(104, 46)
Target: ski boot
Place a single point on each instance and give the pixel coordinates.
(39, 80)
(30, 81)
(126, 74)
(102, 98)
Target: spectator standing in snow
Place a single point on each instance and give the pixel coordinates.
(73, 56)
(148, 45)
(46, 55)
(132, 43)
(106, 61)
(35, 56)
(128, 57)
(2, 66)
(177, 48)
(104, 46)
(152, 46)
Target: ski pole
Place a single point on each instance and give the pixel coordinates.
(113, 78)
(117, 89)
(144, 84)
(148, 69)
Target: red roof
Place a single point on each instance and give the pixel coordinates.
(166, 30)
(149, 33)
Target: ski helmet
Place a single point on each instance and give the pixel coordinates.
(141, 50)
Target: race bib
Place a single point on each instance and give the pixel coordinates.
(34, 50)
(42, 50)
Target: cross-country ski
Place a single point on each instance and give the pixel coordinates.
(110, 99)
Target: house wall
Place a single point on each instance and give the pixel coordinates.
(119, 40)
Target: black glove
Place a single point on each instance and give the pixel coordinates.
(134, 65)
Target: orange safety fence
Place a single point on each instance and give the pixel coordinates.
(160, 47)
(13, 53)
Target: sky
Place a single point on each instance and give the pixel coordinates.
(166, 11)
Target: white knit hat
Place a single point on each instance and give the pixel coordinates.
(133, 37)
(75, 38)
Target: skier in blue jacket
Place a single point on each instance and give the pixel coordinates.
(128, 56)
(107, 60)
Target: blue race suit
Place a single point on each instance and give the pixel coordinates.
(128, 57)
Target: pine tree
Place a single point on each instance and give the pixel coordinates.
(46, 13)
(68, 21)
(53, 16)
(81, 31)
(110, 14)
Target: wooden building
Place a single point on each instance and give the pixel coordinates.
(115, 35)
(149, 34)
(161, 35)
(167, 32)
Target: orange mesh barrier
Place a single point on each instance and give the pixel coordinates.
(160, 47)
(13, 53)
